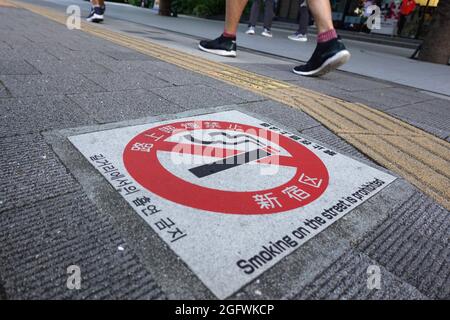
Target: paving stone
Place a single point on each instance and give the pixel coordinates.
(34, 114)
(243, 94)
(432, 116)
(413, 244)
(352, 83)
(4, 45)
(30, 55)
(62, 53)
(284, 72)
(45, 85)
(16, 67)
(181, 77)
(325, 136)
(147, 66)
(2, 290)
(16, 40)
(387, 98)
(126, 55)
(68, 66)
(347, 279)
(197, 96)
(40, 241)
(126, 81)
(118, 106)
(282, 114)
(4, 92)
(30, 172)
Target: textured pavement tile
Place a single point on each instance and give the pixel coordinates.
(16, 40)
(69, 66)
(147, 66)
(62, 53)
(126, 81)
(39, 242)
(197, 96)
(282, 114)
(181, 77)
(30, 172)
(388, 98)
(44, 85)
(4, 93)
(118, 106)
(4, 45)
(351, 82)
(6, 53)
(413, 244)
(432, 116)
(243, 94)
(34, 114)
(16, 66)
(32, 55)
(126, 55)
(347, 279)
(284, 72)
(324, 135)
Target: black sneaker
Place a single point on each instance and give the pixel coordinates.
(96, 14)
(327, 57)
(221, 46)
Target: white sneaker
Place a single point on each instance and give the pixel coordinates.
(298, 37)
(266, 33)
(251, 30)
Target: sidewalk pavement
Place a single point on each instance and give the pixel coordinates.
(369, 59)
(56, 211)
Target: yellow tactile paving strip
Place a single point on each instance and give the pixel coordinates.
(4, 3)
(416, 155)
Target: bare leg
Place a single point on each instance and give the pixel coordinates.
(321, 11)
(98, 3)
(233, 15)
(330, 52)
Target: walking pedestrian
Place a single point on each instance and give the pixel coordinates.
(303, 22)
(330, 52)
(268, 17)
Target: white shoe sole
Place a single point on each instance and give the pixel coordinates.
(95, 18)
(223, 53)
(330, 64)
(298, 40)
(266, 35)
(251, 33)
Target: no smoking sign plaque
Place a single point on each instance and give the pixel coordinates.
(230, 194)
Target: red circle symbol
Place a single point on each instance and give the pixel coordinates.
(307, 185)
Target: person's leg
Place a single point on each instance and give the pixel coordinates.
(254, 13)
(400, 24)
(98, 3)
(225, 45)
(321, 11)
(303, 18)
(268, 14)
(330, 52)
(303, 21)
(234, 9)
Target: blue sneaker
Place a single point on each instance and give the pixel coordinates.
(96, 14)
